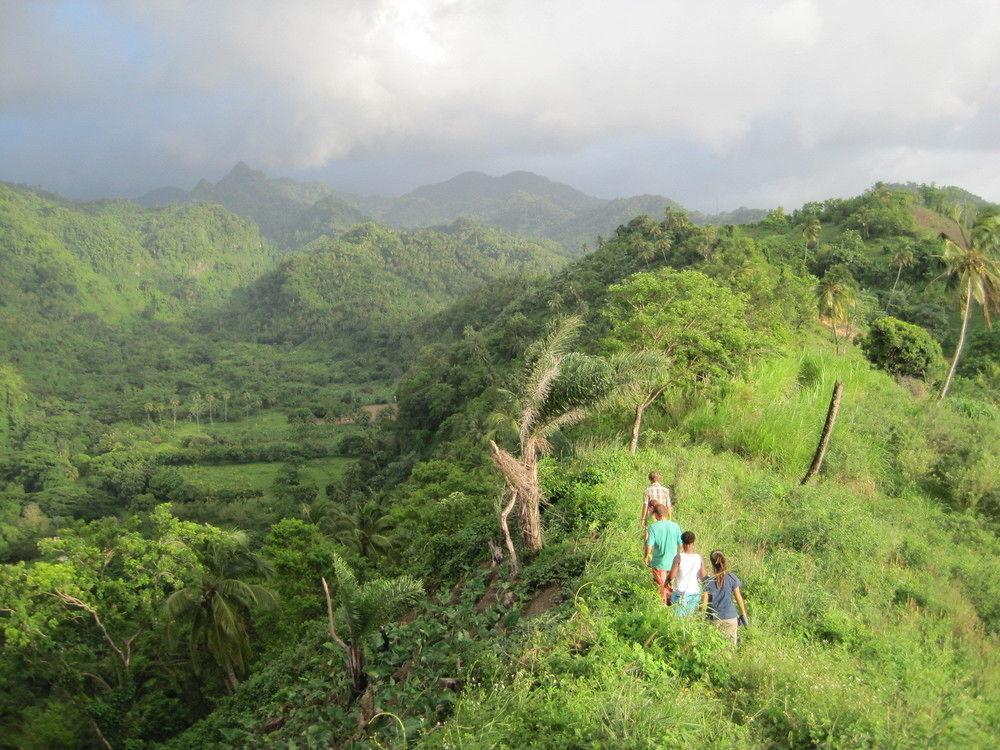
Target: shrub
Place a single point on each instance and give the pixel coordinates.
(902, 349)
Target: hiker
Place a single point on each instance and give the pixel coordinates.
(686, 573)
(655, 493)
(663, 539)
(724, 594)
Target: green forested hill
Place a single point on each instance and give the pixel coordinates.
(114, 260)
(373, 279)
(289, 213)
(197, 536)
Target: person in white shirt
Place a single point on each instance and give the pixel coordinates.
(686, 573)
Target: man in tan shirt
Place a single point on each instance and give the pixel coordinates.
(655, 494)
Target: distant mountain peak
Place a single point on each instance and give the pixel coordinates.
(242, 172)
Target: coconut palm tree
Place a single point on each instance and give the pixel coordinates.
(902, 258)
(360, 610)
(838, 295)
(364, 530)
(810, 231)
(226, 395)
(975, 269)
(210, 404)
(175, 404)
(215, 610)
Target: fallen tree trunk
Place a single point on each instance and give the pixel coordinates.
(824, 440)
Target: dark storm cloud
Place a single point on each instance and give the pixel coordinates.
(735, 102)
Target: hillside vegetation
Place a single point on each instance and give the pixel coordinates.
(295, 572)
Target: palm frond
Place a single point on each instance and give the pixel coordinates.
(383, 600)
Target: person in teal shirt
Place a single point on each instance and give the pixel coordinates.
(663, 539)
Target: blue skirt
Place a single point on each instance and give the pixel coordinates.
(685, 604)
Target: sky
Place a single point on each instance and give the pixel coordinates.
(714, 103)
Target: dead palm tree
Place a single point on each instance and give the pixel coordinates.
(976, 271)
(535, 420)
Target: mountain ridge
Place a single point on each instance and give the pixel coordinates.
(292, 213)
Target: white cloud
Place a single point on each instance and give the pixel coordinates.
(302, 83)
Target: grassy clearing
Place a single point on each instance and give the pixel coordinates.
(261, 476)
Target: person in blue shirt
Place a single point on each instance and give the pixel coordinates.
(723, 590)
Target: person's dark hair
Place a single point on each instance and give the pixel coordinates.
(687, 537)
(720, 565)
(654, 476)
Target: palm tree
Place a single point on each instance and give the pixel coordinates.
(215, 610)
(837, 297)
(810, 231)
(149, 407)
(210, 403)
(363, 531)
(902, 258)
(361, 610)
(197, 407)
(976, 271)
(226, 395)
(536, 420)
(175, 404)
(641, 378)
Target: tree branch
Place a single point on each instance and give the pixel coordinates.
(72, 601)
(504, 514)
(329, 616)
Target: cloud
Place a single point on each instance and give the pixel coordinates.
(762, 93)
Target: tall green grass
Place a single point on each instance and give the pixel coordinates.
(874, 621)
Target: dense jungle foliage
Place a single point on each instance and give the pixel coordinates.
(253, 500)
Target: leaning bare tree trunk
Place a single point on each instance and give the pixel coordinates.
(961, 341)
(640, 410)
(100, 736)
(824, 440)
(633, 446)
(504, 515)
